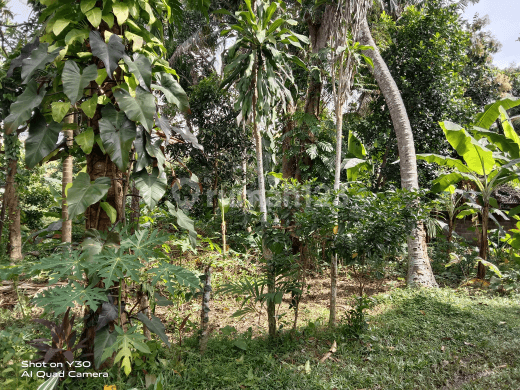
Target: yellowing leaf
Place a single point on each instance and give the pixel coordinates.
(120, 10)
(60, 25)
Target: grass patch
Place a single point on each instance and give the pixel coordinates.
(416, 339)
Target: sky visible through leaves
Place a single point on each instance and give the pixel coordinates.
(503, 15)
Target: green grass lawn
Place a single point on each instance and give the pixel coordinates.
(425, 339)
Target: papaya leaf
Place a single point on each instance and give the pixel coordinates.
(59, 266)
(124, 344)
(83, 193)
(37, 60)
(113, 265)
(74, 80)
(151, 187)
(155, 326)
(140, 109)
(117, 133)
(58, 299)
(109, 53)
(143, 243)
(22, 108)
(41, 141)
(175, 274)
(172, 91)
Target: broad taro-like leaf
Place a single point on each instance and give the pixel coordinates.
(22, 108)
(163, 123)
(109, 312)
(89, 106)
(41, 141)
(120, 10)
(59, 110)
(141, 67)
(111, 212)
(103, 340)
(172, 90)
(86, 140)
(491, 111)
(143, 158)
(140, 109)
(109, 53)
(117, 134)
(184, 222)
(151, 187)
(24, 53)
(154, 150)
(74, 80)
(37, 60)
(478, 158)
(76, 35)
(155, 326)
(444, 161)
(83, 193)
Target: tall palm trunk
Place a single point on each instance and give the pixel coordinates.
(66, 227)
(419, 268)
(11, 200)
(484, 244)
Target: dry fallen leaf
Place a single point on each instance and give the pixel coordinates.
(442, 348)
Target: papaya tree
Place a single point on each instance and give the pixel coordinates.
(490, 159)
(102, 61)
(262, 77)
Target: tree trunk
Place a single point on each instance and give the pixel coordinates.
(134, 215)
(419, 268)
(204, 315)
(66, 227)
(13, 209)
(481, 270)
(144, 307)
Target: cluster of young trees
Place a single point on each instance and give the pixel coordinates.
(127, 94)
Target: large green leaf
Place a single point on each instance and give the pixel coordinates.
(478, 158)
(83, 193)
(503, 143)
(174, 274)
(117, 134)
(151, 187)
(141, 67)
(24, 53)
(89, 106)
(143, 158)
(59, 110)
(125, 343)
(120, 10)
(86, 140)
(155, 326)
(172, 90)
(164, 124)
(184, 222)
(76, 35)
(74, 80)
(113, 266)
(22, 108)
(444, 181)
(444, 161)
(94, 17)
(355, 147)
(509, 130)
(37, 60)
(109, 53)
(103, 340)
(140, 109)
(491, 112)
(41, 141)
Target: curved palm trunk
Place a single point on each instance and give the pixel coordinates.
(13, 210)
(419, 268)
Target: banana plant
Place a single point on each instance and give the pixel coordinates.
(489, 159)
(259, 70)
